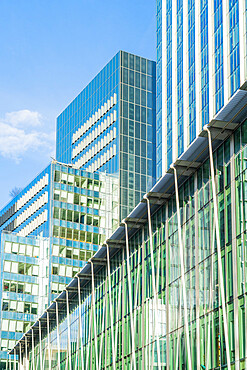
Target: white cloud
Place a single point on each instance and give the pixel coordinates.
(21, 132)
(24, 117)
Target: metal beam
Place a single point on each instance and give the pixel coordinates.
(115, 243)
(156, 198)
(134, 222)
(217, 133)
(185, 168)
(71, 288)
(224, 124)
(98, 261)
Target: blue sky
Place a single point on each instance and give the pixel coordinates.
(49, 50)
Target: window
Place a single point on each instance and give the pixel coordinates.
(6, 286)
(14, 267)
(55, 269)
(7, 266)
(19, 325)
(7, 247)
(35, 270)
(5, 305)
(12, 306)
(20, 288)
(5, 325)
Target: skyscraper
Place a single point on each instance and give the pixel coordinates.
(110, 126)
(201, 64)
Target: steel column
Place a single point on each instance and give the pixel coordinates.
(221, 282)
(197, 287)
(155, 293)
(181, 250)
(48, 339)
(33, 363)
(14, 359)
(95, 319)
(58, 338)
(130, 296)
(234, 256)
(40, 347)
(25, 352)
(68, 322)
(80, 322)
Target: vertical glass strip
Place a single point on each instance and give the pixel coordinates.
(169, 79)
(191, 60)
(159, 89)
(180, 76)
(218, 49)
(204, 63)
(234, 45)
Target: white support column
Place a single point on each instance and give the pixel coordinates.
(118, 309)
(123, 298)
(33, 363)
(179, 327)
(197, 288)
(103, 325)
(181, 252)
(77, 350)
(48, 339)
(40, 347)
(26, 360)
(68, 322)
(221, 281)
(89, 336)
(58, 338)
(155, 293)
(210, 299)
(94, 317)
(14, 359)
(20, 357)
(137, 287)
(80, 322)
(143, 303)
(110, 301)
(234, 256)
(130, 296)
(167, 292)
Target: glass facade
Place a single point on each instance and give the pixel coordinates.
(159, 91)
(75, 211)
(191, 70)
(169, 79)
(110, 127)
(234, 45)
(24, 286)
(218, 45)
(200, 45)
(180, 85)
(146, 328)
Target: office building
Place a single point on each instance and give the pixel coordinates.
(110, 127)
(24, 285)
(74, 211)
(168, 288)
(201, 66)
